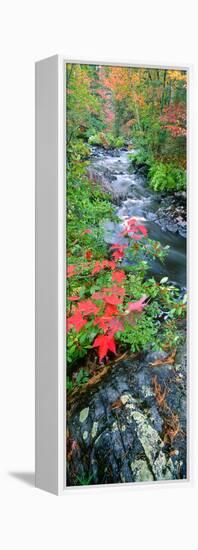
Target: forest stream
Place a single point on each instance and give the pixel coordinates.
(131, 426)
(135, 199)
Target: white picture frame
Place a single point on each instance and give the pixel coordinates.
(50, 308)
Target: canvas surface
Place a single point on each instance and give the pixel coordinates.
(126, 274)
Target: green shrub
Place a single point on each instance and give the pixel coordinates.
(167, 177)
(77, 150)
(140, 157)
(114, 142)
(95, 139)
(106, 140)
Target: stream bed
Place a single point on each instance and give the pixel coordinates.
(135, 199)
(131, 426)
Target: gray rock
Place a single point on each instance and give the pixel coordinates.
(118, 426)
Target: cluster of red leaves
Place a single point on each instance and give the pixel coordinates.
(174, 119)
(71, 270)
(137, 306)
(106, 316)
(134, 230)
(88, 254)
(118, 253)
(98, 266)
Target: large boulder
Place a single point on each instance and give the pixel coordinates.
(131, 426)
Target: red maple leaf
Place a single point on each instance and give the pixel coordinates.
(87, 307)
(137, 306)
(111, 310)
(118, 246)
(88, 255)
(98, 266)
(98, 295)
(77, 321)
(132, 227)
(71, 270)
(102, 322)
(131, 221)
(143, 230)
(118, 254)
(114, 326)
(115, 289)
(104, 342)
(135, 237)
(112, 299)
(118, 276)
(86, 232)
(108, 263)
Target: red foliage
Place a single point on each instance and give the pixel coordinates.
(102, 322)
(98, 266)
(119, 247)
(105, 343)
(134, 230)
(88, 255)
(137, 306)
(77, 321)
(114, 326)
(110, 310)
(87, 307)
(71, 270)
(113, 300)
(98, 295)
(118, 276)
(174, 119)
(118, 255)
(116, 289)
(106, 316)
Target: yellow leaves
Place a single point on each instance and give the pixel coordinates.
(138, 98)
(135, 78)
(177, 75)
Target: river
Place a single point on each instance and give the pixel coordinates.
(134, 198)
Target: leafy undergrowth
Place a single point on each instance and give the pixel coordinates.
(162, 176)
(113, 306)
(108, 140)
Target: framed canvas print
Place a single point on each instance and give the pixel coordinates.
(111, 274)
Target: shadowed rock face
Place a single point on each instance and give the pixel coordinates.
(128, 429)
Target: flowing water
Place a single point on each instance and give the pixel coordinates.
(135, 199)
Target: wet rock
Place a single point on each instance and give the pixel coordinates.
(172, 216)
(151, 216)
(141, 169)
(120, 431)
